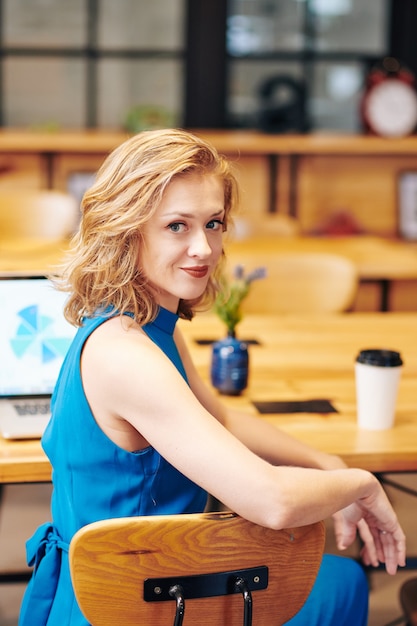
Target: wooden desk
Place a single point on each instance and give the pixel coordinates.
(304, 358)
(20, 258)
(298, 358)
(377, 259)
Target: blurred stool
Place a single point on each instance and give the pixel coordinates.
(33, 215)
(408, 600)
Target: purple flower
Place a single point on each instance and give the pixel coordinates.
(256, 274)
(239, 272)
(228, 301)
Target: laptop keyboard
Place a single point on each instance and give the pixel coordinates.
(36, 407)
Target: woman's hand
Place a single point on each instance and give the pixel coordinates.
(378, 527)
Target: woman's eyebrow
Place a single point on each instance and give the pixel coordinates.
(181, 214)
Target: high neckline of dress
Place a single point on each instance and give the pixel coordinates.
(165, 320)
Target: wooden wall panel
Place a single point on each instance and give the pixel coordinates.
(254, 179)
(364, 186)
(403, 296)
(67, 164)
(252, 172)
(24, 171)
(368, 297)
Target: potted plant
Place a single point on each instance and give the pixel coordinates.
(230, 356)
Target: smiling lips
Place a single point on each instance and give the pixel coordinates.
(197, 272)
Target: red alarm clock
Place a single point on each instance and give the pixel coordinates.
(389, 104)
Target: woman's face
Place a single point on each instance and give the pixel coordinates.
(182, 242)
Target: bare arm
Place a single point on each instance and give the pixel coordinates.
(264, 439)
(278, 448)
(138, 385)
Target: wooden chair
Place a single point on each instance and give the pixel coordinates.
(299, 282)
(216, 569)
(31, 215)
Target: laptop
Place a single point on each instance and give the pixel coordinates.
(34, 338)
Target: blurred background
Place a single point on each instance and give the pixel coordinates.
(92, 63)
(127, 65)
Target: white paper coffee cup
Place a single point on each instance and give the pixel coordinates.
(377, 374)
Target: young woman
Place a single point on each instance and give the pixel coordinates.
(134, 431)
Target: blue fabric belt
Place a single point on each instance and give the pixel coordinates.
(43, 553)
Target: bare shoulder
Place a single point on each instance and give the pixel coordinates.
(114, 346)
(112, 374)
(116, 330)
(118, 325)
(120, 366)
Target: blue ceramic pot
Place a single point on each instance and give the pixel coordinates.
(230, 366)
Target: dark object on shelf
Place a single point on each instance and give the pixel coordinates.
(282, 105)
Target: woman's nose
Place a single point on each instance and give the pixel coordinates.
(199, 245)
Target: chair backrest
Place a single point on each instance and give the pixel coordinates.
(37, 214)
(116, 564)
(310, 282)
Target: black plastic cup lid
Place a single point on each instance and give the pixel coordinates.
(380, 358)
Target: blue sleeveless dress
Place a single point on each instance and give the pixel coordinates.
(94, 479)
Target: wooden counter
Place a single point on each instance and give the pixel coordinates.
(308, 176)
(231, 142)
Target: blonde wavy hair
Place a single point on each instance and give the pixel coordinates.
(102, 271)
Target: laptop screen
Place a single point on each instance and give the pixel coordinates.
(34, 336)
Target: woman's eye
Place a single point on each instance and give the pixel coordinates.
(176, 227)
(215, 224)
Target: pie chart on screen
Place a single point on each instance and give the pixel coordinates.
(35, 336)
